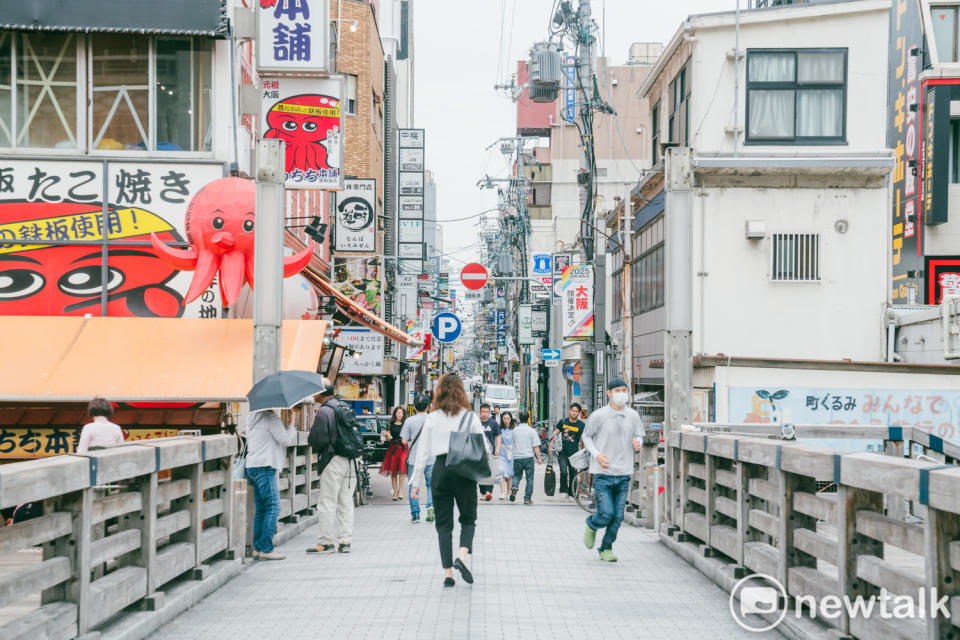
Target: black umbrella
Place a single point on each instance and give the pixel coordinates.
(284, 389)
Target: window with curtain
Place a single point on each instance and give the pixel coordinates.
(796, 96)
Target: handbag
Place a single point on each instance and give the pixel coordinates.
(580, 460)
(467, 453)
(240, 462)
(549, 481)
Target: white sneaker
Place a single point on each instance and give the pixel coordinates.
(272, 555)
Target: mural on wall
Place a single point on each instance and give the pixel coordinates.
(934, 411)
(54, 227)
(220, 225)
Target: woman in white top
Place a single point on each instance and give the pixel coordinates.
(101, 432)
(449, 406)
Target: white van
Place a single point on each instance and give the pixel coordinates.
(503, 396)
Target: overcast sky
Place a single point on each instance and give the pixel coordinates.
(462, 49)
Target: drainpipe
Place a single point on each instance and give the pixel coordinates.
(892, 355)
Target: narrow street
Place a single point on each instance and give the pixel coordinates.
(527, 584)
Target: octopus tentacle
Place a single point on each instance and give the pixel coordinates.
(231, 276)
(295, 264)
(207, 265)
(182, 259)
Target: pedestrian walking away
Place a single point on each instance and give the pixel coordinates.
(612, 435)
(506, 454)
(571, 430)
(337, 470)
(450, 411)
(100, 433)
(267, 440)
(395, 459)
(491, 428)
(412, 430)
(526, 447)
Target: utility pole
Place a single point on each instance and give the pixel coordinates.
(268, 260)
(592, 369)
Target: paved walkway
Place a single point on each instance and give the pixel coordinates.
(533, 578)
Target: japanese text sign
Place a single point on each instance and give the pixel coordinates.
(356, 227)
(292, 35)
(577, 311)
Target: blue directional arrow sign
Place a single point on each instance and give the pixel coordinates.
(549, 354)
(446, 327)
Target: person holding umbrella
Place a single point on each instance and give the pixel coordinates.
(267, 441)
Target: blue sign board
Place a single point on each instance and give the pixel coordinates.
(501, 328)
(446, 327)
(570, 92)
(549, 354)
(541, 263)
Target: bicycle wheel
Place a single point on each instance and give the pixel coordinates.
(583, 492)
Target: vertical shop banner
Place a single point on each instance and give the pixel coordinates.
(410, 177)
(48, 207)
(356, 227)
(370, 347)
(559, 262)
(359, 280)
(306, 114)
(936, 157)
(570, 90)
(525, 324)
(292, 35)
(905, 137)
(577, 287)
(541, 270)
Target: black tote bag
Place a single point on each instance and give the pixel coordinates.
(467, 455)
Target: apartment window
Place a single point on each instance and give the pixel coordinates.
(796, 96)
(795, 257)
(679, 99)
(655, 134)
(647, 273)
(351, 94)
(41, 85)
(944, 20)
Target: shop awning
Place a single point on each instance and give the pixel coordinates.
(358, 314)
(140, 359)
(175, 17)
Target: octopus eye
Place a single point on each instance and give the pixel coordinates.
(289, 125)
(218, 223)
(19, 283)
(248, 225)
(88, 281)
(310, 126)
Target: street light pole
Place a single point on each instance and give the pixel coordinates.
(268, 260)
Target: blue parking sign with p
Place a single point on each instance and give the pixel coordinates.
(446, 327)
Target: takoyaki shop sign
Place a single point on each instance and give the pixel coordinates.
(55, 229)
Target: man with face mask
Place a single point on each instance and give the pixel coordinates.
(613, 433)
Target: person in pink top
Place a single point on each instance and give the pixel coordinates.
(101, 432)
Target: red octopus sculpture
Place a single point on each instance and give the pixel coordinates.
(219, 223)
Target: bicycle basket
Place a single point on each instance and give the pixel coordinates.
(580, 460)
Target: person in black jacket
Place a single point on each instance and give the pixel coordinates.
(571, 430)
(338, 479)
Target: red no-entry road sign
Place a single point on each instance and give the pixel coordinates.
(474, 276)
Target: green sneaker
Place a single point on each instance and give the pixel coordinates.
(430, 517)
(589, 537)
(607, 555)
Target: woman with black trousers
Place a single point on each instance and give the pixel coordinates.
(450, 406)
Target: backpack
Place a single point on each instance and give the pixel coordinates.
(349, 442)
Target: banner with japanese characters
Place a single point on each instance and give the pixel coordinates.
(356, 226)
(936, 411)
(525, 324)
(19, 443)
(577, 292)
(292, 35)
(369, 347)
(943, 277)
(306, 114)
(55, 230)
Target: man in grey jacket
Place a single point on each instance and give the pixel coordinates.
(338, 478)
(267, 442)
(612, 435)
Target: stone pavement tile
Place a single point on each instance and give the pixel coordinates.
(534, 579)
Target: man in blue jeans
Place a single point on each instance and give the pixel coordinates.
(526, 445)
(410, 434)
(612, 435)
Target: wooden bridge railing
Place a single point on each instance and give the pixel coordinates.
(118, 524)
(823, 522)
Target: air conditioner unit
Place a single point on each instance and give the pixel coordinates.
(755, 229)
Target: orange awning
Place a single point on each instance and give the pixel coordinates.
(140, 359)
(358, 314)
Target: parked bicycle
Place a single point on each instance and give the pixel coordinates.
(583, 492)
